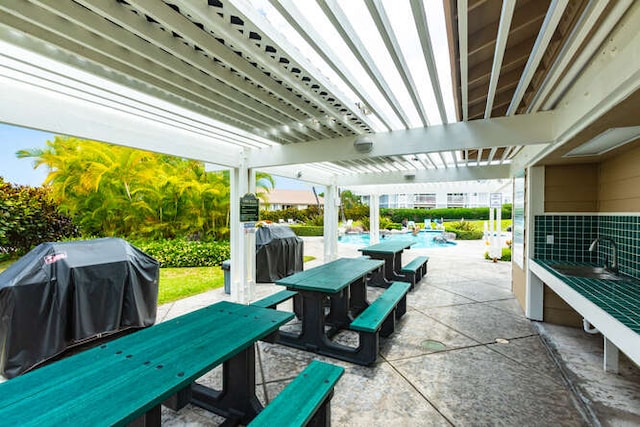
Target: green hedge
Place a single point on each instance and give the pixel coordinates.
(419, 215)
(183, 253)
(307, 230)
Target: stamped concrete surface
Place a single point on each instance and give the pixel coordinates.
(464, 354)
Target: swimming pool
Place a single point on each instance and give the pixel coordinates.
(424, 239)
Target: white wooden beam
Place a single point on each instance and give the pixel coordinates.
(587, 51)
(379, 15)
(576, 38)
(349, 35)
(508, 6)
(420, 21)
(209, 16)
(33, 105)
(529, 129)
(463, 54)
(440, 175)
(306, 30)
(551, 21)
(612, 76)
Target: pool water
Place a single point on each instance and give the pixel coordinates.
(424, 239)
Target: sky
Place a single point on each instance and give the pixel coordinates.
(21, 171)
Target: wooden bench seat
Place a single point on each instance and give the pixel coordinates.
(379, 319)
(305, 400)
(416, 269)
(273, 300)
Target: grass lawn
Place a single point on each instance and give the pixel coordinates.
(178, 283)
(5, 264)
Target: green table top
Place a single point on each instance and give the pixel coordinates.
(331, 277)
(116, 382)
(621, 299)
(388, 247)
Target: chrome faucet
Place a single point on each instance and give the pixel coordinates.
(614, 253)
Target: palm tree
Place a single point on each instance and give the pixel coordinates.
(119, 191)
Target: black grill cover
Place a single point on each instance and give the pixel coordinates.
(62, 294)
(279, 253)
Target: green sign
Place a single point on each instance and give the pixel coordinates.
(249, 208)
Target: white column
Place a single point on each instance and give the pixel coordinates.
(236, 235)
(331, 203)
(534, 292)
(441, 199)
(250, 247)
(374, 218)
(242, 243)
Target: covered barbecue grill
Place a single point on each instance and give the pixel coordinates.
(62, 294)
(279, 253)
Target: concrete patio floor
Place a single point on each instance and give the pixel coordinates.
(464, 354)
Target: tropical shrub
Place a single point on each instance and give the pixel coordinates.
(356, 213)
(28, 217)
(118, 191)
(365, 222)
(464, 230)
(317, 220)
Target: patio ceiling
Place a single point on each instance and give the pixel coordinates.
(439, 91)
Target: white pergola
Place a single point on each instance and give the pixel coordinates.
(352, 94)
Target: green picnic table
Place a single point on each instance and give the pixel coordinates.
(129, 378)
(343, 283)
(390, 252)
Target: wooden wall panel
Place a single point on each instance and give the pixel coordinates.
(571, 188)
(558, 312)
(619, 182)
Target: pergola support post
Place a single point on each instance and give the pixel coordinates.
(242, 240)
(331, 203)
(374, 218)
(534, 298)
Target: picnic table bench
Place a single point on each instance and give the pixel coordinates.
(343, 282)
(415, 269)
(126, 380)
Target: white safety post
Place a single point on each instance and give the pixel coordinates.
(374, 218)
(331, 203)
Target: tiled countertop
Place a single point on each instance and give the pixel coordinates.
(621, 299)
(612, 306)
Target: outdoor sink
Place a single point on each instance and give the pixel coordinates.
(588, 271)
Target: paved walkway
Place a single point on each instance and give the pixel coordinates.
(464, 354)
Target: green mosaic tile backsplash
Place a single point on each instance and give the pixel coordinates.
(572, 235)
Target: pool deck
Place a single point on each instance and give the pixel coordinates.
(464, 354)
